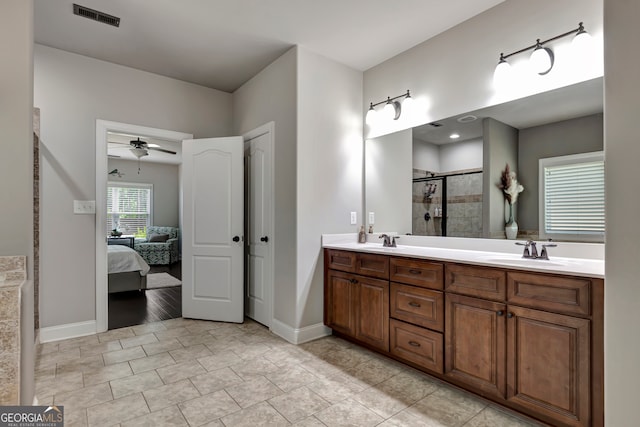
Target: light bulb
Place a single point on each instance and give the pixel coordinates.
(541, 59)
(503, 74)
(370, 118)
(408, 105)
(582, 44)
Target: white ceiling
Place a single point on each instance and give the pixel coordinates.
(223, 43)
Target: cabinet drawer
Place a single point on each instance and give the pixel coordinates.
(417, 345)
(483, 282)
(415, 272)
(419, 306)
(342, 260)
(372, 265)
(570, 295)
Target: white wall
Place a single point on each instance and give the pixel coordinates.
(73, 91)
(16, 112)
(165, 180)
(329, 168)
(271, 96)
(453, 72)
(426, 156)
(622, 151)
(461, 155)
(388, 175)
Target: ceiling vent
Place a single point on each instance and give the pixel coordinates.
(435, 124)
(96, 15)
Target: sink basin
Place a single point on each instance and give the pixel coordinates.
(523, 262)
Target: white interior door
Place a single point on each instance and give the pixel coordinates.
(258, 161)
(212, 242)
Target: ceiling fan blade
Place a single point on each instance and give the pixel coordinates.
(161, 149)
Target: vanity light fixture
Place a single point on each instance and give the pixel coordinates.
(542, 57)
(392, 108)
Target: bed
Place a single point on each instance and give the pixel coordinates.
(127, 269)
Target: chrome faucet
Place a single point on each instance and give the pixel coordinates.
(389, 241)
(531, 250)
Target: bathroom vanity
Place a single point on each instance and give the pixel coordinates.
(527, 334)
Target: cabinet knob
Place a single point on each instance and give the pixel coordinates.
(236, 238)
(510, 315)
(500, 312)
(414, 344)
(413, 271)
(414, 304)
(353, 281)
(264, 239)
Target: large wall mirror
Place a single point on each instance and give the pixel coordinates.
(441, 178)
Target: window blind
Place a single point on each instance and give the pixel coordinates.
(128, 207)
(574, 198)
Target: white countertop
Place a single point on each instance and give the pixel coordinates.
(584, 267)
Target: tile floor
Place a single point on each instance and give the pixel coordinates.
(182, 372)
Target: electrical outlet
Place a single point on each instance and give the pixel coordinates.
(84, 207)
(372, 218)
(354, 218)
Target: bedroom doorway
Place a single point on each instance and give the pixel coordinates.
(136, 307)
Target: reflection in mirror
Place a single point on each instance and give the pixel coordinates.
(428, 181)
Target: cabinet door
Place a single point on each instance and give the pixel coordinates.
(475, 343)
(340, 298)
(548, 363)
(372, 312)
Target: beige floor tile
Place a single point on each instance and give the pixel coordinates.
(78, 342)
(151, 362)
(170, 394)
(83, 364)
(200, 328)
(189, 353)
(448, 407)
(124, 355)
(291, 378)
(172, 333)
(52, 359)
(215, 380)
(47, 347)
(214, 423)
(138, 340)
(75, 418)
(118, 410)
(408, 418)
(298, 404)
(494, 417)
(180, 322)
(108, 373)
(412, 384)
(254, 367)
(168, 417)
(336, 389)
(261, 414)
(384, 403)
(309, 422)
(225, 330)
(180, 371)
(202, 338)
(346, 358)
(208, 408)
(84, 397)
(65, 382)
(287, 356)
(161, 346)
(252, 391)
(348, 413)
(115, 334)
(219, 360)
(104, 347)
(147, 328)
(375, 371)
(135, 383)
(322, 369)
(221, 344)
(319, 346)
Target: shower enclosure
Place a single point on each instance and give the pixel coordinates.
(457, 214)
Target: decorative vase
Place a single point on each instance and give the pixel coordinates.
(511, 227)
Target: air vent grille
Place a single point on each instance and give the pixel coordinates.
(96, 15)
(435, 124)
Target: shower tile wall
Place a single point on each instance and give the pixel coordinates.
(464, 206)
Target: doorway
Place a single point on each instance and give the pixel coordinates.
(102, 129)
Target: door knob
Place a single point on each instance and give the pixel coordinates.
(236, 238)
(264, 239)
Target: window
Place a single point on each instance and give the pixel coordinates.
(572, 197)
(129, 207)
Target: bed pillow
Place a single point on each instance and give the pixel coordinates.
(158, 238)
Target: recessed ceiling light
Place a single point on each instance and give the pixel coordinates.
(466, 119)
(454, 136)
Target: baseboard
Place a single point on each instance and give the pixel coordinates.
(70, 330)
(299, 335)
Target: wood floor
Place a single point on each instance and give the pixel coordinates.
(153, 305)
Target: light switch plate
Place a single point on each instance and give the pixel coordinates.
(372, 218)
(84, 207)
(354, 218)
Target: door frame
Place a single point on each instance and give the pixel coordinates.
(102, 127)
(267, 128)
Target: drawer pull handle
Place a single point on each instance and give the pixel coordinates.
(354, 281)
(414, 344)
(510, 315)
(413, 271)
(414, 304)
(500, 313)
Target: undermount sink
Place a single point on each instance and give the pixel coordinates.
(523, 262)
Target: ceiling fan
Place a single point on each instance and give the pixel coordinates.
(141, 148)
